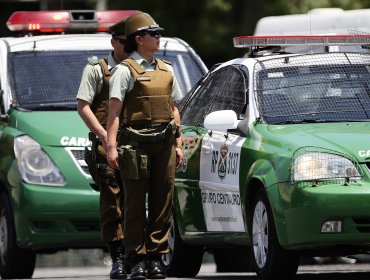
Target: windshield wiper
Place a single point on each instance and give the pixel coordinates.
(320, 121)
(51, 107)
(299, 121)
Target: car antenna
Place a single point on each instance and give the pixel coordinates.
(165, 49)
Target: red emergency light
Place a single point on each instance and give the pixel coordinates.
(306, 40)
(65, 21)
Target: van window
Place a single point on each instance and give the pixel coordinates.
(50, 80)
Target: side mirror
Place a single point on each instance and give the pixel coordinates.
(221, 120)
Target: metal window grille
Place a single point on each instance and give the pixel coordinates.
(313, 88)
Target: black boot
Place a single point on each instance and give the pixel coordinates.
(155, 269)
(138, 267)
(127, 265)
(117, 253)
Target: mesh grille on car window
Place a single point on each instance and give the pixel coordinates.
(49, 80)
(313, 88)
(225, 89)
(37, 84)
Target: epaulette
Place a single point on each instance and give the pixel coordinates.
(93, 60)
(166, 61)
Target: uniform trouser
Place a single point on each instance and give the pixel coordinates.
(149, 235)
(111, 200)
(111, 213)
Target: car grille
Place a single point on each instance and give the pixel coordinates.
(81, 226)
(368, 165)
(86, 226)
(78, 157)
(362, 224)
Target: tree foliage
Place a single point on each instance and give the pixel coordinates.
(210, 25)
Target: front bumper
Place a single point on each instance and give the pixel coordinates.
(56, 217)
(305, 209)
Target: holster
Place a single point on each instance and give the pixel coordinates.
(91, 165)
(134, 163)
(96, 161)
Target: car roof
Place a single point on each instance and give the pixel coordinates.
(78, 42)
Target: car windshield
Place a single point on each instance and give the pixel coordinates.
(318, 88)
(50, 80)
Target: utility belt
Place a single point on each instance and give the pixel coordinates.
(135, 134)
(133, 160)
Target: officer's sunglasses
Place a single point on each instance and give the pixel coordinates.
(152, 33)
(122, 41)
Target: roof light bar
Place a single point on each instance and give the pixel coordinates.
(107, 18)
(39, 21)
(314, 40)
(64, 21)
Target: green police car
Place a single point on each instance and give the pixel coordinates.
(48, 201)
(276, 157)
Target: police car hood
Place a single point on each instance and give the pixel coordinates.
(53, 128)
(352, 138)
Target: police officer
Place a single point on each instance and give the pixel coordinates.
(92, 106)
(143, 91)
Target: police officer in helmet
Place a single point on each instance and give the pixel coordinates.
(92, 106)
(143, 91)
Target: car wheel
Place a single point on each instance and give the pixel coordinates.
(183, 260)
(236, 259)
(15, 263)
(270, 260)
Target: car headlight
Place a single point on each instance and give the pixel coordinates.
(35, 166)
(311, 166)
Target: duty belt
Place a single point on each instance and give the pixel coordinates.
(133, 135)
(94, 138)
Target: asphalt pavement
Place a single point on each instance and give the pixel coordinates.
(208, 272)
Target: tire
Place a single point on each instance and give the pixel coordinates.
(270, 260)
(236, 259)
(183, 260)
(15, 263)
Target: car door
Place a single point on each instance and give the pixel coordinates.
(219, 181)
(215, 154)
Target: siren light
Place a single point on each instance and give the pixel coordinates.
(65, 21)
(306, 40)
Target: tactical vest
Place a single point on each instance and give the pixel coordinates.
(100, 104)
(149, 102)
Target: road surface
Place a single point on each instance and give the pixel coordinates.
(208, 272)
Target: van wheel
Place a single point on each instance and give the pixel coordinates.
(183, 260)
(15, 263)
(270, 260)
(236, 259)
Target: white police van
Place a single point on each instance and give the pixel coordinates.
(316, 21)
(47, 199)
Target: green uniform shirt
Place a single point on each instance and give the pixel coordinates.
(92, 80)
